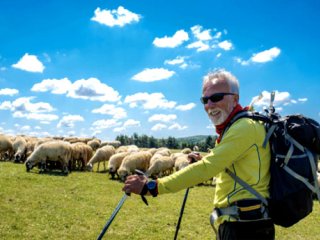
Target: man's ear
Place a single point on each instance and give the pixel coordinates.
(236, 99)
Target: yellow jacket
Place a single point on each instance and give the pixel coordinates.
(241, 151)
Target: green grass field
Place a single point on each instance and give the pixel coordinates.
(52, 206)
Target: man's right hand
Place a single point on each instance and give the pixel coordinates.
(194, 157)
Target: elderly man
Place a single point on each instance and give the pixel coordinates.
(240, 150)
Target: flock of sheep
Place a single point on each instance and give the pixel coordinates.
(73, 153)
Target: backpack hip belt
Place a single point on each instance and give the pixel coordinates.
(242, 210)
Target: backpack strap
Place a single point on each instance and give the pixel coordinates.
(247, 186)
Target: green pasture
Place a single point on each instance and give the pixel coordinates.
(77, 206)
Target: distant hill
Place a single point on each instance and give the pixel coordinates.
(194, 139)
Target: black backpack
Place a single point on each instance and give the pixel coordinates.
(295, 143)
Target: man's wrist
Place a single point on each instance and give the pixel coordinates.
(151, 186)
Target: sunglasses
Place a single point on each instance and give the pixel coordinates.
(214, 97)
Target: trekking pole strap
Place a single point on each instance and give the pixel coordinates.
(247, 186)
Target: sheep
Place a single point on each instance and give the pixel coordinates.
(135, 160)
(180, 161)
(115, 144)
(81, 153)
(6, 150)
(54, 151)
(101, 155)
(115, 162)
(186, 150)
(127, 148)
(94, 144)
(195, 148)
(160, 153)
(160, 167)
(20, 149)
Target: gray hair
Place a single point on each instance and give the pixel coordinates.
(232, 81)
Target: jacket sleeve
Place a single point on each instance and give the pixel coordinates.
(235, 142)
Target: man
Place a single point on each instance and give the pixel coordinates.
(240, 150)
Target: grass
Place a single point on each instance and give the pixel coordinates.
(52, 206)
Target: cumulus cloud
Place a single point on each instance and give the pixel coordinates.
(105, 123)
(24, 108)
(116, 17)
(127, 124)
(281, 99)
(90, 89)
(8, 91)
(201, 35)
(162, 117)
(109, 109)
(153, 74)
(177, 126)
(158, 127)
(171, 42)
(186, 107)
(225, 45)
(261, 57)
(55, 86)
(69, 121)
(29, 63)
(199, 45)
(149, 101)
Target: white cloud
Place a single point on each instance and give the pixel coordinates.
(89, 89)
(24, 104)
(171, 42)
(131, 123)
(109, 109)
(177, 61)
(266, 56)
(149, 101)
(201, 35)
(55, 86)
(177, 126)
(217, 35)
(8, 91)
(36, 116)
(105, 123)
(158, 127)
(281, 99)
(261, 57)
(225, 45)
(29, 63)
(186, 107)
(92, 89)
(153, 74)
(162, 117)
(69, 121)
(115, 17)
(302, 99)
(199, 45)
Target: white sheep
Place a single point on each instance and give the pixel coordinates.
(20, 149)
(6, 150)
(81, 154)
(186, 150)
(127, 148)
(180, 161)
(101, 155)
(94, 144)
(136, 160)
(160, 167)
(50, 152)
(160, 153)
(111, 143)
(115, 162)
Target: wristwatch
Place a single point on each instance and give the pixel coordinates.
(151, 186)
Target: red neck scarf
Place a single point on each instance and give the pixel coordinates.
(220, 127)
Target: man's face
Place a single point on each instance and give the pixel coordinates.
(219, 111)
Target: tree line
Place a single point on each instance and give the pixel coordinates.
(144, 141)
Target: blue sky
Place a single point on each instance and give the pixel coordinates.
(105, 68)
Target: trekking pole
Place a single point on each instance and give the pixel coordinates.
(182, 208)
(181, 213)
(105, 228)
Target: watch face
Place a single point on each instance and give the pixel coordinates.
(151, 185)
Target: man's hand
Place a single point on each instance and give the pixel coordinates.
(134, 184)
(194, 157)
